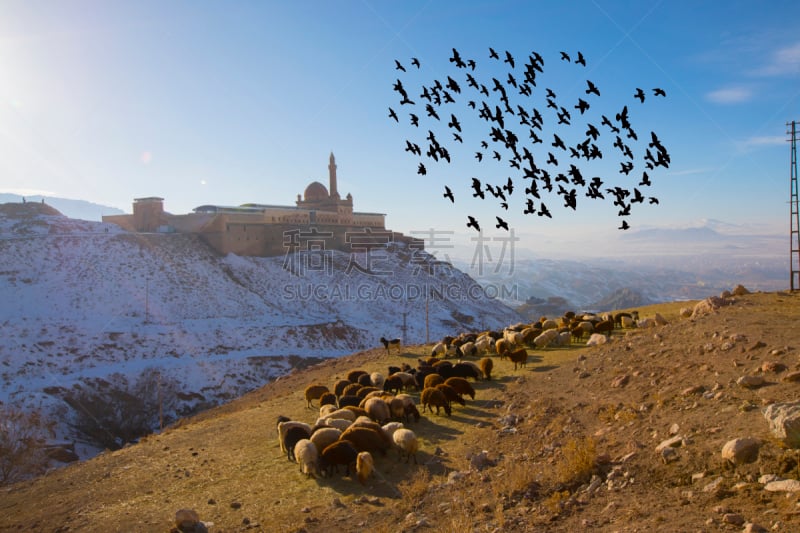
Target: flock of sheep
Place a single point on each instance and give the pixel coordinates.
(367, 413)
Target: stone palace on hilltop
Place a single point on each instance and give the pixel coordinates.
(321, 219)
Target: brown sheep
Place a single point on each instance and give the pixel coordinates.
(430, 398)
(359, 411)
(502, 347)
(353, 375)
(519, 357)
(461, 386)
(363, 391)
(351, 390)
(378, 410)
(328, 398)
(393, 384)
(341, 452)
(451, 394)
(338, 388)
(431, 380)
(314, 392)
(365, 464)
(486, 364)
(366, 439)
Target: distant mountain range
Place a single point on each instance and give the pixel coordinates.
(79, 209)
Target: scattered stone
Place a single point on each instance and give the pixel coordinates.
(784, 422)
(685, 312)
(754, 528)
(768, 478)
(480, 461)
(337, 503)
(773, 366)
(757, 346)
(236, 505)
(669, 455)
(741, 451)
(740, 290)
(620, 381)
(792, 377)
(697, 389)
(783, 485)
(750, 382)
(660, 320)
(187, 520)
(673, 442)
(733, 518)
(698, 476)
(714, 486)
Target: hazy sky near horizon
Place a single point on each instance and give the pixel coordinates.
(236, 102)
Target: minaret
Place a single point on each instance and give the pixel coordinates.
(332, 178)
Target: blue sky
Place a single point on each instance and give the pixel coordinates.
(236, 102)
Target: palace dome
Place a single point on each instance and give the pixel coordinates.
(315, 191)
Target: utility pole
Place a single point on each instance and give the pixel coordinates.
(404, 327)
(794, 224)
(146, 300)
(160, 405)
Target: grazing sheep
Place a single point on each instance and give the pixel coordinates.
(564, 338)
(325, 436)
(433, 397)
(605, 327)
(502, 347)
(359, 411)
(366, 422)
(378, 410)
(472, 365)
(439, 366)
(314, 392)
(363, 391)
(393, 383)
(367, 439)
(547, 337)
(341, 452)
(391, 342)
(469, 349)
(350, 390)
(283, 428)
(627, 322)
(486, 364)
(292, 436)
(353, 375)
(461, 386)
(397, 408)
(377, 379)
(528, 334)
(451, 394)
(549, 324)
(365, 380)
(339, 423)
(407, 379)
(349, 400)
(338, 388)
(519, 357)
(439, 349)
(326, 409)
(365, 464)
(328, 398)
(411, 410)
(461, 370)
(483, 345)
(346, 414)
(431, 380)
(407, 443)
(307, 454)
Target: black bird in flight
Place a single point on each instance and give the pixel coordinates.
(449, 194)
(550, 93)
(543, 211)
(509, 186)
(472, 82)
(639, 94)
(653, 200)
(398, 66)
(415, 62)
(421, 170)
(414, 119)
(493, 54)
(509, 59)
(558, 143)
(504, 205)
(476, 185)
(454, 123)
(565, 56)
(501, 223)
(479, 156)
(529, 209)
(393, 115)
(659, 92)
(624, 225)
(473, 223)
(471, 63)
(592, 88)
(582, 105)
(413, 148)
(551, 159)
(457, 59)
(626, 168)
(457, 137)
(497, 155)
(431, 111)
(645, 180)
(580, 60)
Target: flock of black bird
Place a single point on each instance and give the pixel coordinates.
(506, 105)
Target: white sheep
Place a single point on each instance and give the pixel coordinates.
(484, 345)
(546, 337)
(327, 409)
(407, 443)
(377, 379)
(406, 378)
(323, 437)
(283, 427)
(347, 414)
(549, 324)
(564, 338)
(438, 349)
(306, 453)
(338, 423)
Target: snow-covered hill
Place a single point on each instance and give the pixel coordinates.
(86, 304)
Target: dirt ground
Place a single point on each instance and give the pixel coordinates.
(567, 443)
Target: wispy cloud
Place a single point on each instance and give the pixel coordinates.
(730, 95)
(761, 140)
(28, 192)
(782, 62)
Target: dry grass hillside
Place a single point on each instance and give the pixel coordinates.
(570, 443)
